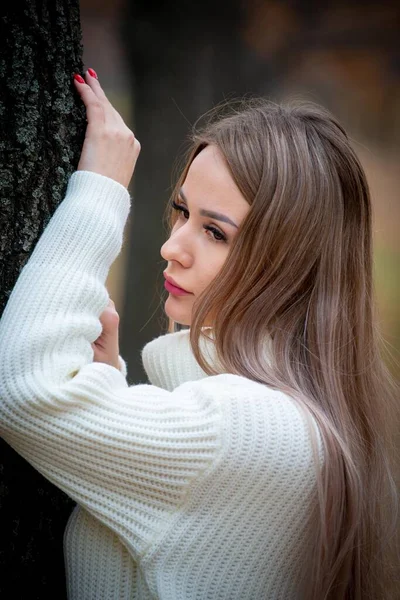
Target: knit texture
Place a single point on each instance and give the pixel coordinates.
(191, 487)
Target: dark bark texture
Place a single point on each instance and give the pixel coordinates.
(42, 124)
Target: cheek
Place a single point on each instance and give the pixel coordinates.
(208, 269)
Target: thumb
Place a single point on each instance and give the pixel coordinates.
(109, 320)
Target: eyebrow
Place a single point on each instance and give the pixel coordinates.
(210, 213)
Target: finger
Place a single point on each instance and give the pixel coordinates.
(109, 319)
(93, 82)
(94, 108)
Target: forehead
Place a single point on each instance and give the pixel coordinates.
(209, 184)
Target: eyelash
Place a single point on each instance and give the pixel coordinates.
(213, 230)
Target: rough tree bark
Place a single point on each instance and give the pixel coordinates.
(42, 124)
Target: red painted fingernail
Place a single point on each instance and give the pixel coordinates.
(79, 78)
(92, 73)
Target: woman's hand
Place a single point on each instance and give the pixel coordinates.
(106, 347)
(110, 147)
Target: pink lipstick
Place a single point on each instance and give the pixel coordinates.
(173, 288)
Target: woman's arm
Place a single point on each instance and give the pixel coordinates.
(126, 454)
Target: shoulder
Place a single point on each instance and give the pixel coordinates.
(256, 414)
(238, 389)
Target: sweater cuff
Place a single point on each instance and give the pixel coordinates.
(87, 227)
(96, 186)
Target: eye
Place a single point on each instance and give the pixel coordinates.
(181, 209)
(216, 234)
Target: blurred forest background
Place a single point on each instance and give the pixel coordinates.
(165, 64)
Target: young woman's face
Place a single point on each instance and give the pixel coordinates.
(210, 209)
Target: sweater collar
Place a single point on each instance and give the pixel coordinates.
(169, 361)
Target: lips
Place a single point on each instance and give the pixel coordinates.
(174, 283)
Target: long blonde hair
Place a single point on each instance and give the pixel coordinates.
(300, 272)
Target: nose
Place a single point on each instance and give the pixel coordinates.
(176, 248)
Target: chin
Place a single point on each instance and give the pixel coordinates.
(177, 313)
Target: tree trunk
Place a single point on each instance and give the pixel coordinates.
(42, 128)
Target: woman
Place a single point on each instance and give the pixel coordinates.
(254, 464)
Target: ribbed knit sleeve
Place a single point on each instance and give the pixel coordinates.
(127, 454)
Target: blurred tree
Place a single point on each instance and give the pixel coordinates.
(184, 59)
(42, 125)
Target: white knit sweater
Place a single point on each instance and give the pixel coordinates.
(193, 487)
